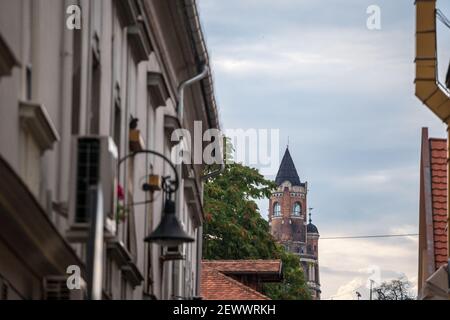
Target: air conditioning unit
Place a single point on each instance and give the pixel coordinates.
(55, 288)
(94, 163)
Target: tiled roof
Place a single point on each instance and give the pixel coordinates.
(244, 266)
(217, 286)
(287, 171)
(438, 162)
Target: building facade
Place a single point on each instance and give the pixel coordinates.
(288, 210)
(76, 69)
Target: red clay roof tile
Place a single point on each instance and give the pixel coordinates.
(438, 155)
(217, 286)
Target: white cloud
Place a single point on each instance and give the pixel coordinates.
(348, 290)
(345, 59)
(347, 265)
(386, 179)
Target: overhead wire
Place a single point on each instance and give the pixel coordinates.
(371, 236)
(441, 16)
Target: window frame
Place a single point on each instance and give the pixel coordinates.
(296, 213)
(276, 210)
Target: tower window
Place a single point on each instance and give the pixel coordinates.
(276, 210)
(297, 209)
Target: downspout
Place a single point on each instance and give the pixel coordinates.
(183, 85)
(200, 231)
(199, 47)
(65, 114)
(198, 278)
(180, 113)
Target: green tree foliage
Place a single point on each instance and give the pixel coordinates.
(293, 286)
(234, 228)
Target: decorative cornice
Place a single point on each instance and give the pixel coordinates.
(127, 11)
(157, 88)
(34, 117)
(122, 257)
(132, 274)
(139, 41)
(7, 59)
(116, 249)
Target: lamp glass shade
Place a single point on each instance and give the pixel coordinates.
(169, 231)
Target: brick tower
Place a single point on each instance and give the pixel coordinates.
(288, 221)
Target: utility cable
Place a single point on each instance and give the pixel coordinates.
(371, 236)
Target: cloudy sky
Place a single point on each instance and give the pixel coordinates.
(344, 96)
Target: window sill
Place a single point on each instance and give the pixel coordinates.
(35, 119)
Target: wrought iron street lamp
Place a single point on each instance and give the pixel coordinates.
(169, 232)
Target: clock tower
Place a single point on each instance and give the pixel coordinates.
(288, 218)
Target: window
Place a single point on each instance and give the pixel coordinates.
(76, 80)
(297, 210)
(276, 210)
(117, 119)
(28, 83)
(311, 275)
(94, 108)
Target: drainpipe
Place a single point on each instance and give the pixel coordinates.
(180, 113)
(187, 83)
(200, 232)
(199, 261)
(65, 115)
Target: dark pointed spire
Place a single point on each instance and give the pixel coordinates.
(287, 171)
(310, 228)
